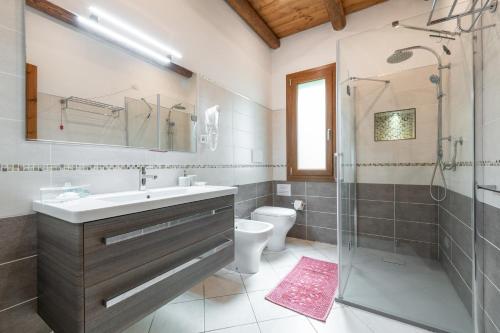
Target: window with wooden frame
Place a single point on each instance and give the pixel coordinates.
(310, 119)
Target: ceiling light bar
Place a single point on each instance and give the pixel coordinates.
(120, 39)
(101, 14)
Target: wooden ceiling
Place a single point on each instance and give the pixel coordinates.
(283, 18)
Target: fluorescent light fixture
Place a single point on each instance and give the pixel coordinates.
(120, 39)
(101, 14)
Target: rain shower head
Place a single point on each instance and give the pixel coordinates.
(399, 56)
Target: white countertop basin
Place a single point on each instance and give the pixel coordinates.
(102, 206)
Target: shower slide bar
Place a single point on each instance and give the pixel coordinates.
(489, 5)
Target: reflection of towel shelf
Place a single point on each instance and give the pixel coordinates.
(71, 103)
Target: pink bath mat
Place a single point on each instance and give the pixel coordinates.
(308, 289)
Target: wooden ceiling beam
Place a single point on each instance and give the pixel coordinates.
(245, 10)
(335, 10)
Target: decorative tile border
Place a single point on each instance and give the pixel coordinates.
(424, 164)
(111, 167)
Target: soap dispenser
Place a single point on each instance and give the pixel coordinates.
(183, 181)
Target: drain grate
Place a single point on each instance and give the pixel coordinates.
(394, 261)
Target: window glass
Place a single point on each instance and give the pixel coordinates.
(311, 125)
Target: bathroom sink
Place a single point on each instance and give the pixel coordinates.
(138, 196)
(102, 206)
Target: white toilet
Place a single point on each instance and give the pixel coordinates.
(251, 238)
(282, 219)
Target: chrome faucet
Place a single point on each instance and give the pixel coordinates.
(143, 178)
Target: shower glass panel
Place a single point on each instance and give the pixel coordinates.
(311, 124)
(405, 241)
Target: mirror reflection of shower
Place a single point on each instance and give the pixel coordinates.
(171, 125)
(150, 108)
(404, 54)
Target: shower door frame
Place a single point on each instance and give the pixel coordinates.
(477, 55)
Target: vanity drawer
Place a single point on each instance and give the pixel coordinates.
(117, 245)
(115, 304)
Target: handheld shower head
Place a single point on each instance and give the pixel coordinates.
(435, 78)
(446, 50)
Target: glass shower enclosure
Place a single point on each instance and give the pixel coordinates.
(405, 175)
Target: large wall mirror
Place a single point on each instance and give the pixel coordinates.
(83, 88)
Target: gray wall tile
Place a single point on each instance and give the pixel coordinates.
(492, 302)
(491, 228)
(383, 192)
(459, 205)
(244, 209)
(23, 318)
(322, 204)
(298, 231)
(374, 226)
(17, 282)
(380, 209)
(446, 221)
(463, 264)
(423, 232)
(463, 291)
(245, 192)
(17, 237)
(265, 201)
(321, 189)
(416, 212)
(417, 249)
(415, 193)
(287, 202)
(376, 242)
(463, 236)
(324, 235)
(318, 219)
(264, 189)
(445, 242)
(492, 263)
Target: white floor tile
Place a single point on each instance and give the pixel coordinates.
(142, 326)
(281, 259)
(311, 253)
(341, 319)
(265, 310)
(228, 311)
(252, 328)
(266, 278)
(297, 324)
(186, 317)
(223, 284)
(193, 294)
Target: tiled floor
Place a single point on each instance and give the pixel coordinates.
(228, 302)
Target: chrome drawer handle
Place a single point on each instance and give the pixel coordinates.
(134, 291)
(162, 226)
(221, 209)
